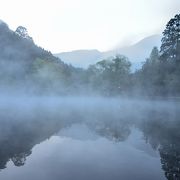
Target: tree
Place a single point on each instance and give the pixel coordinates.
(110, 76)
(170, 56)
(22, 32)
(170, 48)
(152, 61)
(148, 78)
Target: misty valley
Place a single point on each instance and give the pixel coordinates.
(104, 122)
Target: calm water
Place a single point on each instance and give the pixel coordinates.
(89, 138)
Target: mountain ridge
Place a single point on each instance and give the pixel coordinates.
(137, 53)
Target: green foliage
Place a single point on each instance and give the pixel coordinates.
(150, 73)
(51, 76)
(160, 73)
(170, 48)
(110, 76)
(23, 64)
(170, 56)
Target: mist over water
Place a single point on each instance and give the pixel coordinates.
(88, 138)
(104, 122)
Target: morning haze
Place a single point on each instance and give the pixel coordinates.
(108, 110)
(66, 25)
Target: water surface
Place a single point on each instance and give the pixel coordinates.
(89, 138)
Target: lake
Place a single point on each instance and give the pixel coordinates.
(85, 138)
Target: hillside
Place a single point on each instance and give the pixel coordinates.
(26, 67)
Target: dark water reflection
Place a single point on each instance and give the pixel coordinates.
(85, 138)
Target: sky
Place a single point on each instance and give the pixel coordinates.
(66, 25)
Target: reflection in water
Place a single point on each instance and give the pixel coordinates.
(165, 136)
(22, 126)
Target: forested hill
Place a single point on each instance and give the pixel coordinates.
(19, 47)
(25, 67)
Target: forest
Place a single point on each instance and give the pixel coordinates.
(28, 68)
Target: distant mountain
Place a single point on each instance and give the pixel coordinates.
(80, 58)
(137, 53)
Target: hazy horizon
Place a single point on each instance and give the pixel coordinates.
(61, 26)
(114, 117)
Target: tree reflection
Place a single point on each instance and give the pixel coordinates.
(20, 136)
(114, 131)
(164, 136)
(19, 159)
(20, 133)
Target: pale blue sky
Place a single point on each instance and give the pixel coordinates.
(65, 25)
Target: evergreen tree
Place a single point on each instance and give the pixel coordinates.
(22, 32)
(170, 57)
(170, 48)
(148, 76)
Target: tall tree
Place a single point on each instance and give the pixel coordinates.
(170, 56)
(111, 76)
(170, 48)
(148, 76)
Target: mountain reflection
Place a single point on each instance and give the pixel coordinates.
(160, 127)
(17, 138)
